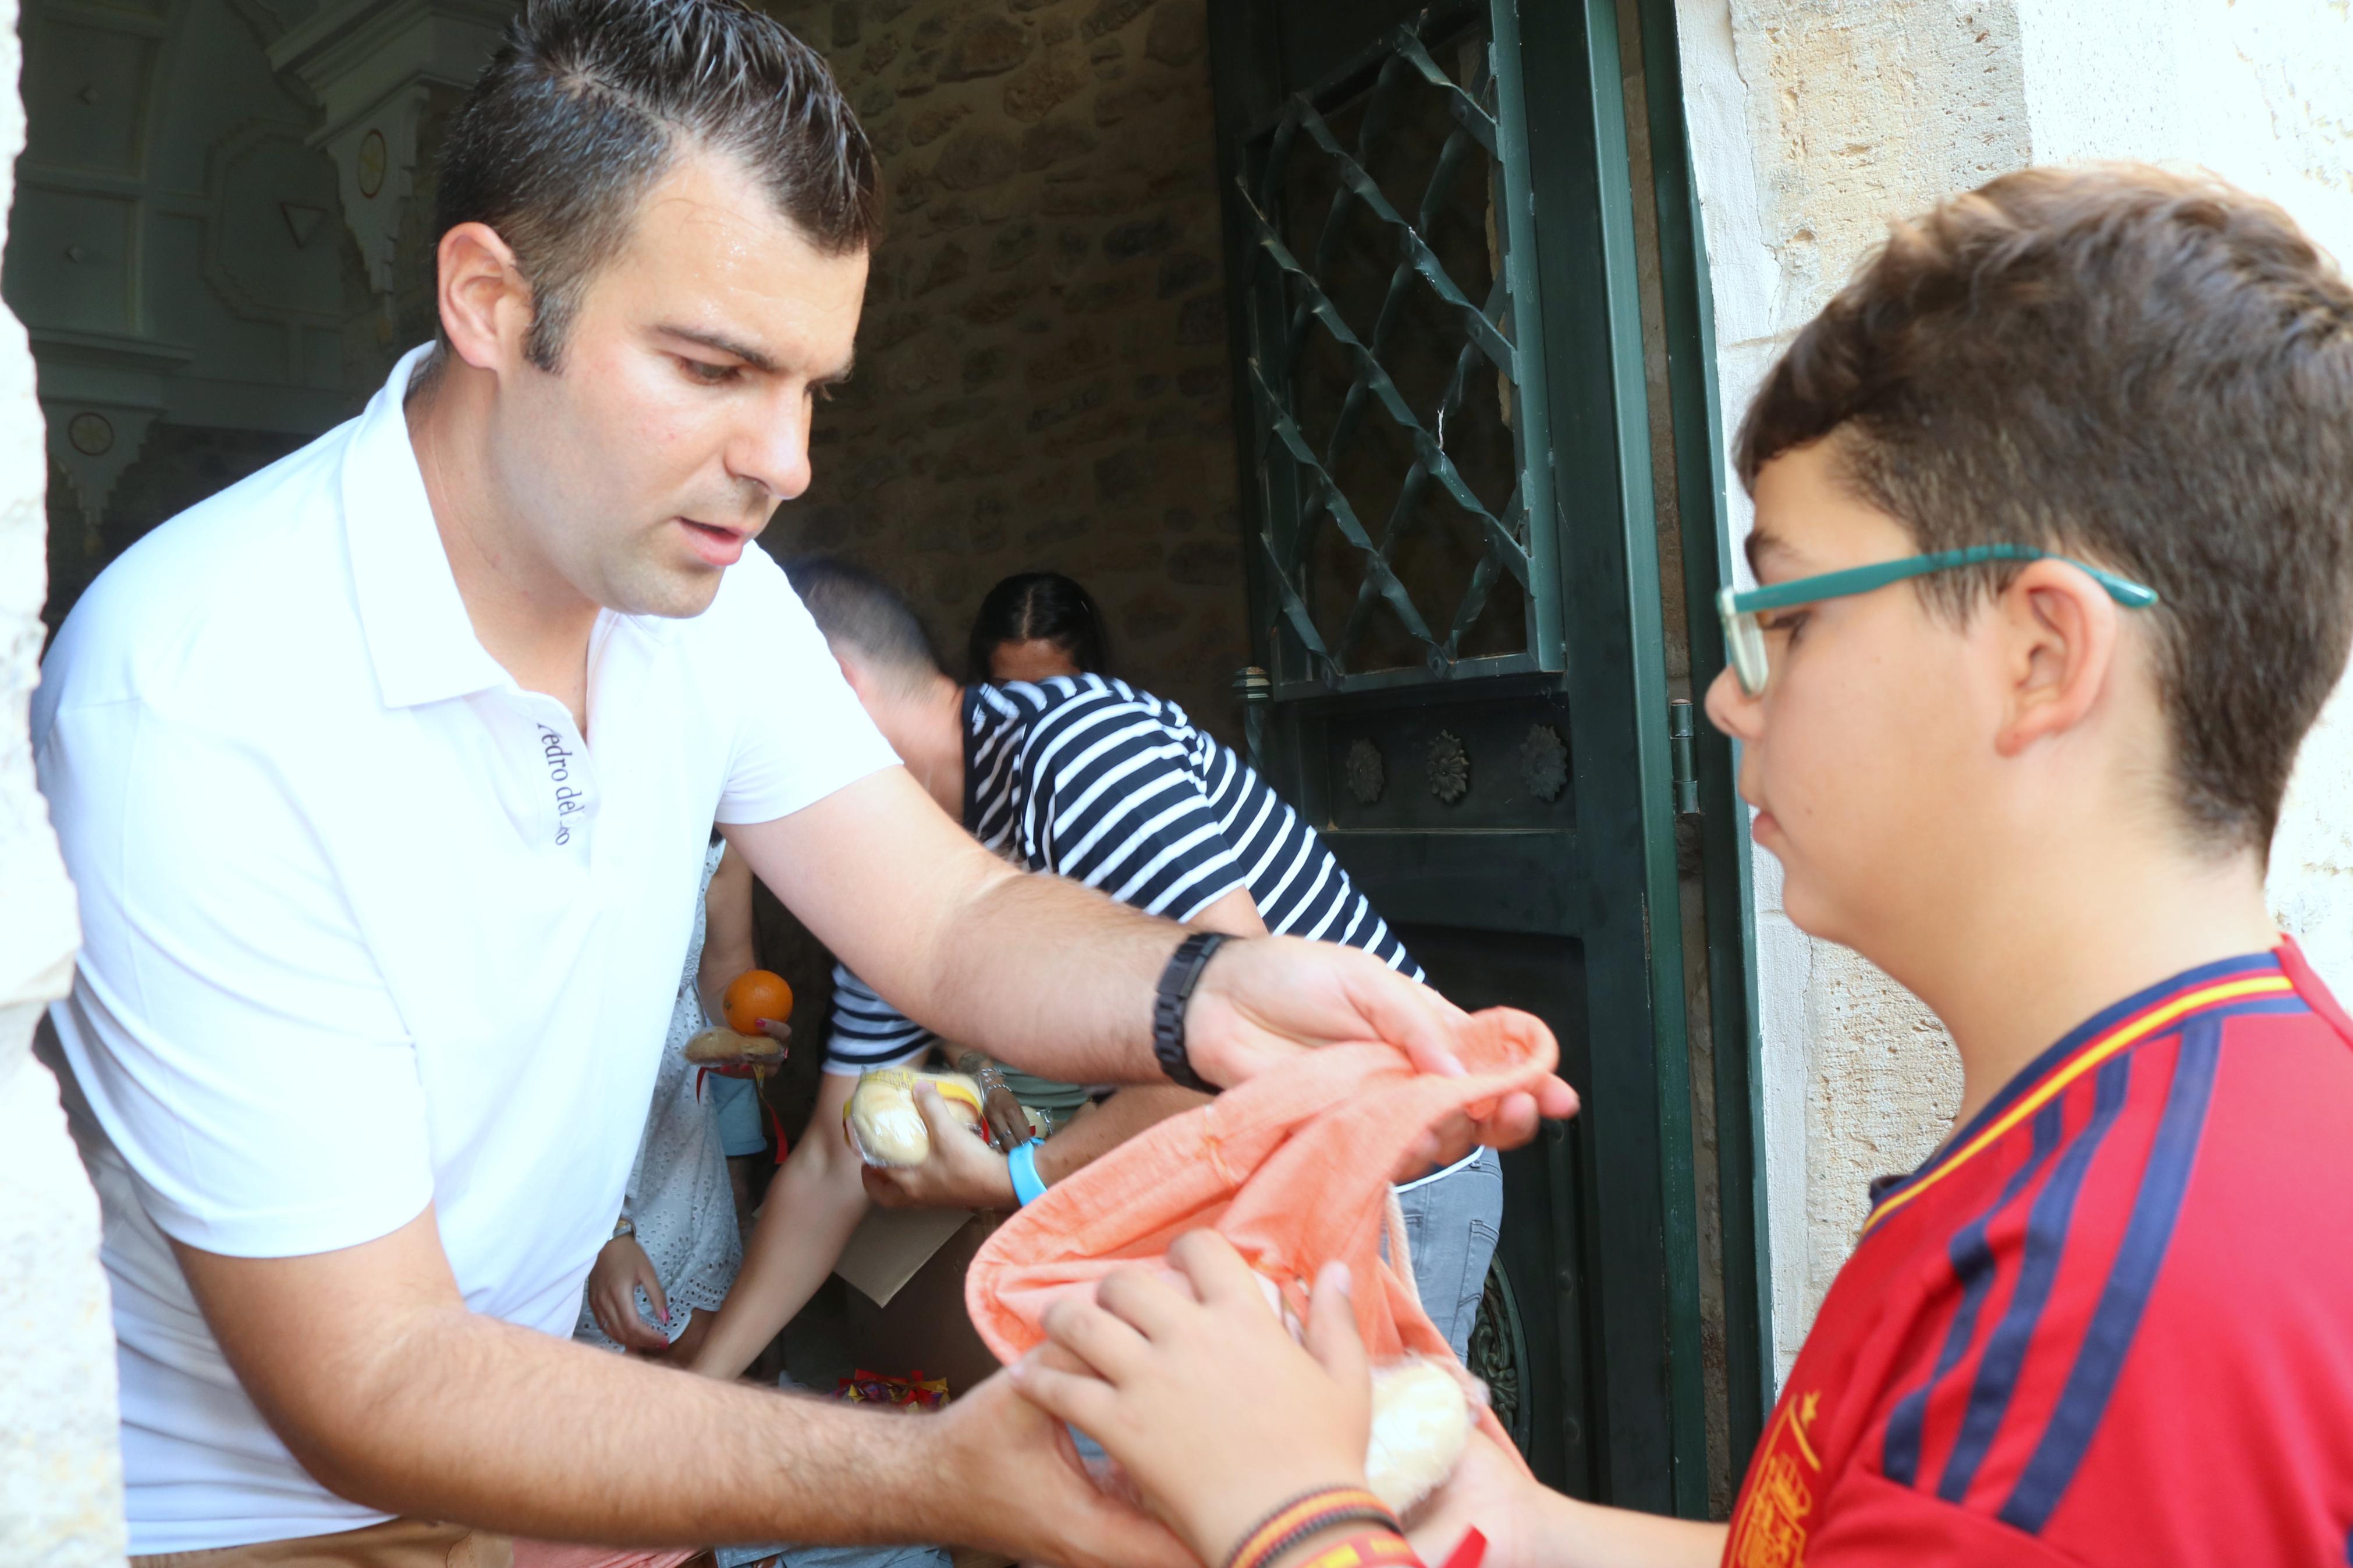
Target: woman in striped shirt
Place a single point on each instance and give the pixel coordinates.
(1085, 777)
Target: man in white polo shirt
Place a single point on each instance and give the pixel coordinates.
(385, 778)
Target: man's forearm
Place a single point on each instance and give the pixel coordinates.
(1098, 1132)
(475, 1420)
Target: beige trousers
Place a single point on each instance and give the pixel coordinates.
(394, 1544)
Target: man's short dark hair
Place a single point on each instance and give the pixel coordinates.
(2148, 370)
(588, 102)
(863, 617)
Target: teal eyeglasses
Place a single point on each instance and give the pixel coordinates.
(1744, 639)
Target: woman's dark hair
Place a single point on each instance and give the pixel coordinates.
(1043, 605)
(588, 102)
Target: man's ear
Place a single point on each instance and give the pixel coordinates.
(2058, 630)
(485, 301)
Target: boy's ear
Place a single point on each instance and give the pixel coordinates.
(2058, 630)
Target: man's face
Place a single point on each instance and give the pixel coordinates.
(679, 417)
(1869, 756)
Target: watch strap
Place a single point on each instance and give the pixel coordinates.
(1168, 1003)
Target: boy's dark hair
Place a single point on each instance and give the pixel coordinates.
(2150, 370)
(588, 102)
(862, 614)
(1045, 605)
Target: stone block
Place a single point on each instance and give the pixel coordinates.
(1053, 530)
(1108, 59)
(1102, 294)
(1203, 380)
(1184, 272)
(1124, 473)
(873, 98)
(991, 306)
(973, 159)
(980, 455)
(1053, 80)
(1050, 490)
(893, 330)
(1091, 198)
(1202, 321)
(1110, 15)
(1083, 350)
(1115, 104)
(1141, 237)
(1206, 564)
(1180, 31)
(921, 75)
(1151, 615)
(1012, 244)
(989, 45)
(1045, 145)
(911, 190)
(959, 411)
(845, 23)
(1149, 385)
(1179, 519)
(934, 123)
(1092, 430)
(985, 366)
(950, 263)
(951, 217)
(1058, 30)
(1070, 406)
(879, 54)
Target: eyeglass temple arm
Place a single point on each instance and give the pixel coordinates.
(2132, 596)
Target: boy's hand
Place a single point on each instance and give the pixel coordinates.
(620, 1269)
(1487, 1492)
(963, 1172)
(1214, 1411)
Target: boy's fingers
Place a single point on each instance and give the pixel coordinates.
(1141, 1298)
(1079, 1398)
(1332, 1337)
(1110, 1348)
(1216, 1270)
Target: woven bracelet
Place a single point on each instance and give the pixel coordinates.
(1304, 1516)
(1374, 1548)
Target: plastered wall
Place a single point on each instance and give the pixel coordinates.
(60, 1480)
(1812, 122)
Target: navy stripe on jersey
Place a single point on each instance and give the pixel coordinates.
(2046, 1243)
(1973, 1266)
(2165, 1179)
(1091, 779)
(867, 1032)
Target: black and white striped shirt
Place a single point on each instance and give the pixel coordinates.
(1091, 779)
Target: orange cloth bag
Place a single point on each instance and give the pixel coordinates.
(1292, 1168)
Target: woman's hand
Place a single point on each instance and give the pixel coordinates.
(620, 1269)
(1202, 1396)
(963, 1172)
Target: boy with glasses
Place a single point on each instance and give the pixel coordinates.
(2099, 427)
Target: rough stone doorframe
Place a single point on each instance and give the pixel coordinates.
(60, 1465)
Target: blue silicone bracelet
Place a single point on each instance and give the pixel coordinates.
(1027, 1184)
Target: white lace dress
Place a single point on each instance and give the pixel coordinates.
(679, 1197)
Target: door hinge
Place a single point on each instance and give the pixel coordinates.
(1682, 749)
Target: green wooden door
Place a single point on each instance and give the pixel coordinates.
(1454, 573)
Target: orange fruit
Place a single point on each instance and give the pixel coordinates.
(752, 996)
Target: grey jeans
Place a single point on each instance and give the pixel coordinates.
(1451, 1225)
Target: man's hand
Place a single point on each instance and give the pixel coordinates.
(1260, 1002)
(963, 1172)
(1009, 1480)
(620, 1269)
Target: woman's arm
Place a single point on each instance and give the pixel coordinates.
(727, 946)
(814, 1204)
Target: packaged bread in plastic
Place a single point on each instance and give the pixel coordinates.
(883, 1122)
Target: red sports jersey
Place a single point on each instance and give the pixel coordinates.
(2111, 1321)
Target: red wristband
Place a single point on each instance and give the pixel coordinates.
(1304, 1516)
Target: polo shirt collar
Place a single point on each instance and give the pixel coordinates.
(419, 637)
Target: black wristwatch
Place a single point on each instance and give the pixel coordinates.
(1176, 984)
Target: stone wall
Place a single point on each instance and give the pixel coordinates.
(1813, 121)
(1042, 374)
(60, 1479)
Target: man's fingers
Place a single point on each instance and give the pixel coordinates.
(1556, 1100)
(1332, 1338)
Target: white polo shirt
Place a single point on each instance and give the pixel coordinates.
(367, 927)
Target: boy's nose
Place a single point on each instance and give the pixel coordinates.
(1731, 709)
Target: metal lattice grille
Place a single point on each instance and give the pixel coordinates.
(1387, 374)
